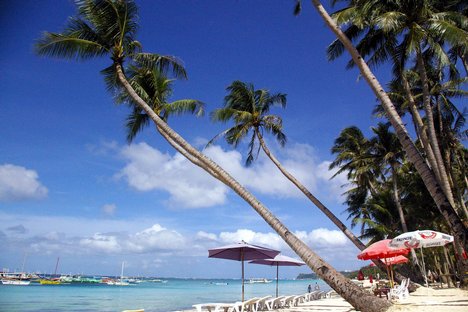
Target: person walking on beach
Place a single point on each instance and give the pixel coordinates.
(309, 288)
(317, 287)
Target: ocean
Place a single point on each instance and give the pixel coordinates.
(175, 295)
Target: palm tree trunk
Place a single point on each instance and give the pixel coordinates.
(434, 141)
(358, 298)
(420, 126)
(396, 198)
(356, 241)
(441, 200)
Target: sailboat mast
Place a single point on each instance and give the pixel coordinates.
(56, 266)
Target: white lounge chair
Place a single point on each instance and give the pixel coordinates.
(400, 292)
(274, 303)
(288, 301)
(248, 305)
(261, 303)
(214, 306)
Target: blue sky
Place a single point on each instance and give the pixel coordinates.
(71, 187)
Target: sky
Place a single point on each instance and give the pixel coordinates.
(71, 187)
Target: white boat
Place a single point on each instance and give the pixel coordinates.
(120, 282)
(259, 280)
(15, 282)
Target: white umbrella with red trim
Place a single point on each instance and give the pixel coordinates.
(421, 239)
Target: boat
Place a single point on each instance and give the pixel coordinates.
(16, 278)
(52, 281)
(49, 281)
(15, 282)
(259, 280)
(120, 282)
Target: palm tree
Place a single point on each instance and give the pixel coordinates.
(353, 156)
(108, 27)
(443, 204)
(399, 29)
(155, 89)
(249, 109)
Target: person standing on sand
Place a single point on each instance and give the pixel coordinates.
(309, 288)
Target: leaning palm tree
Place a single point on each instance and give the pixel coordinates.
(249, 109)
(108, 27)
(430, 180)
(155, 89)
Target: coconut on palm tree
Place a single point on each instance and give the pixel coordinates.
(108, 27)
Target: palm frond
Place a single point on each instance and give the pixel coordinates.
(163, 63)
(185, 106)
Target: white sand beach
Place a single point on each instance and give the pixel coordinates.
(422, 300)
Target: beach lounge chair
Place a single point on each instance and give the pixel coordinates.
(261, 303)
(248, 305)
(214, 306)
(274, 303)
(400, 292)
(288, 301)
(330, 294)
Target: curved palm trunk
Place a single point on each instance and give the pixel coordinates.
(434, 141)
(356, 241)
(443, 204)
(420, 127)
(358, 298)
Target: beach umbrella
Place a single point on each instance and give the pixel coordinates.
(278, 261)
(383, 250)
(242, 252)
(422, 239)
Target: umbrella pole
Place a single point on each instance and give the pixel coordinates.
(277, 266)
(242, 260)
(388, 274)
(424, 266)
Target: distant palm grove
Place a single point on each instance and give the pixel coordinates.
(409, 174)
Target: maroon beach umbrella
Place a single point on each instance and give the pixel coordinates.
(277, 261)
(241, 252)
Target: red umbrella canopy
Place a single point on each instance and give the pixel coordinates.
(395, 260)
(381, 250)
(242, 251)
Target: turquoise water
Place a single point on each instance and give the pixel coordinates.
(176, 294)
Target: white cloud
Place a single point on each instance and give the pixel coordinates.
(148, 169)
(188, 186)
(151, 245)
(18, 183)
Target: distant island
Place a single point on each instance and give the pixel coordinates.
(348, 274)
(303, 276)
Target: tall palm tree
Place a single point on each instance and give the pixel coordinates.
(353, 156)
(249, 109)
(399, 30)
(386, 150)
(108, 27)
(443, 204)
(155, 89)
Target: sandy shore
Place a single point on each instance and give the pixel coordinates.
(422, 300)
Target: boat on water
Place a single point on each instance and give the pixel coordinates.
(45, 281)
(259, 280)
(120, 282)
(15, 282)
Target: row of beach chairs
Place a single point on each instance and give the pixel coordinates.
(267, 303)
